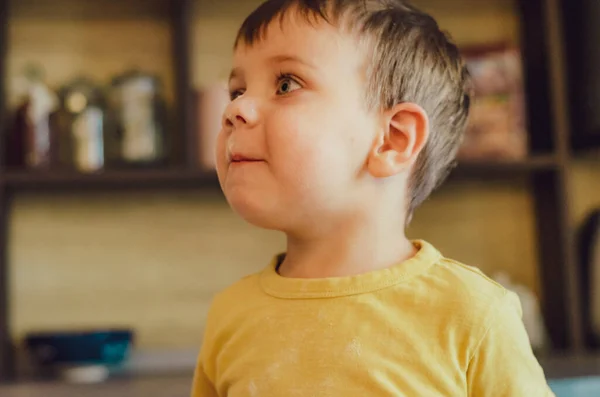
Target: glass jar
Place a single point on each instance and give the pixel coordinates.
(31, 140)
(138, 119)
(81, 126)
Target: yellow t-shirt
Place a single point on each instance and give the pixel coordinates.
(426, 327)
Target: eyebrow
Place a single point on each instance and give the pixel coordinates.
(237, 72)
(290, 58)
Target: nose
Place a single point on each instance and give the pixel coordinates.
(241, 112)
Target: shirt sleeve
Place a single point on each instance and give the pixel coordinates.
(202, 386)
(503, 364)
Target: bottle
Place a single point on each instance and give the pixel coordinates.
(31, 135)
(138, 119)
(81, 126)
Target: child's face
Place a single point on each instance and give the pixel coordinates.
(294, 141)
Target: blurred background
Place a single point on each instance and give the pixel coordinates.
(111, 217)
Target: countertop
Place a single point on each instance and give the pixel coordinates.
(162, 373)
(179, 384)
(156, 386)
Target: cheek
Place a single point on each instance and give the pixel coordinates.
(320, 149)
(298, 146)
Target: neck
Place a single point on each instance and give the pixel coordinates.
(349, 249)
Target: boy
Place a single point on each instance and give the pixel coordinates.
(344, 116)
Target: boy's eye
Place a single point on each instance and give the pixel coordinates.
(235, 93)
(286, 85)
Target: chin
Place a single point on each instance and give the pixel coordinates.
(256, 211)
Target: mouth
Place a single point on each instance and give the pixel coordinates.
(242, 159)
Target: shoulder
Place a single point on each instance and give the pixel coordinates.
(472, 301)
(468, 284)
(227, 305)
(224, 306)
(240, 291)
(485, 319)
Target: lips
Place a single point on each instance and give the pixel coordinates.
(241, 158)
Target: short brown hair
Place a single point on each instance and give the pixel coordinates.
(412, 61)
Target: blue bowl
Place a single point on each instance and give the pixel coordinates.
(99, 347)
(576, 387)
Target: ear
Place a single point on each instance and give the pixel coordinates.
(404, 132)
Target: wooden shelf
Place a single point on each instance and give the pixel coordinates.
(506, 168)
(118, 179)
(186, 178)
(182, 177)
